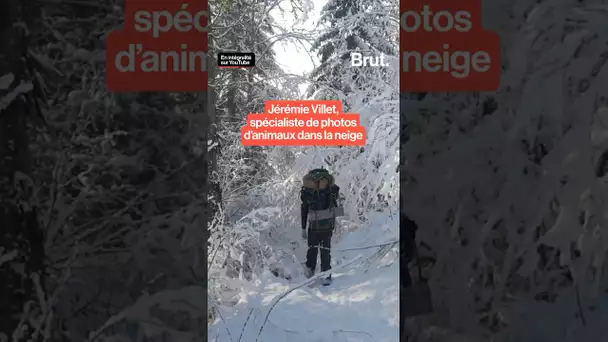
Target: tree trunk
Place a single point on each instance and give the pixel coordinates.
(20, 233)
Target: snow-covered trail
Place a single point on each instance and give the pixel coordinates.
(361, 305)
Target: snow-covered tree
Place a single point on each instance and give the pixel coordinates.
(371, 27)
(347, 26)
(505, 186)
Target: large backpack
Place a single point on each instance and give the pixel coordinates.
(311, 187)
(313, 177)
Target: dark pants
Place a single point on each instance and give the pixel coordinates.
(319, 240)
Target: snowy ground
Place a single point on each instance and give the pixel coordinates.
(361, 305)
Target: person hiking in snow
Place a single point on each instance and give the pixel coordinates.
(319, 209)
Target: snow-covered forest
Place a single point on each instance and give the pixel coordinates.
(508, 188)
(140, 217)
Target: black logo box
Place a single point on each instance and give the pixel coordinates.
(236, 59)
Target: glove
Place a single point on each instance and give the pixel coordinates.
(304, 235)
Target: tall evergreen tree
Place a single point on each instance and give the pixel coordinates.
(348, 26)
(239, 92)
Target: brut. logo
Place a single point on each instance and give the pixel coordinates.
(357, 59)
(445, 48)
(161, 47)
